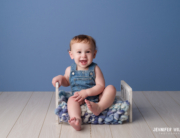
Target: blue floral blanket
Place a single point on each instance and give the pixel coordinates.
(116, 114)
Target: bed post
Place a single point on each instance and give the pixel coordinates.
(56, 98)
(126, 94)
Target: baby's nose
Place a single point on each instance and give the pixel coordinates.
(83, 54)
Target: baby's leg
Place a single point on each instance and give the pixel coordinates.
(74, 111)
(106, 99)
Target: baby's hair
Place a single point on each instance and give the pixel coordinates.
(85, 39)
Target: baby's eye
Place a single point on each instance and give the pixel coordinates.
(88, 51)
(79, 52)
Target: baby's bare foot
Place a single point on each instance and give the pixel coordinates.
(94, 107)
(75, 123)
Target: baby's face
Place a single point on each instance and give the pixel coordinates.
(83, 55)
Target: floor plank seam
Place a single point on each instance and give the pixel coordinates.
(20, 115)
(173, 98)
(90, 132)
(45, 115)
(157, 112)
(110, 131)
(144, 118)
(60, 130)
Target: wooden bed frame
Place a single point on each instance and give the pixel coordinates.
(126, 94)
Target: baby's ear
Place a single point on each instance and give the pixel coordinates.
(95, 52)
(71, 55)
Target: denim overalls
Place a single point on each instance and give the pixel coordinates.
(83, 79)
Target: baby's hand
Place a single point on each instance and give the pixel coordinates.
(57, 79)
(80, 96)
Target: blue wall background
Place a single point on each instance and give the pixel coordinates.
(138, 41)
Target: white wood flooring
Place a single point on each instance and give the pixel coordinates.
(31, 115)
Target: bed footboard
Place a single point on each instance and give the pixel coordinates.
(126, 94)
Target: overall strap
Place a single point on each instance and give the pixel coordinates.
(73, 67)
(92, 66)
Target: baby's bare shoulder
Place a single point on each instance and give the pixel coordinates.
(97, 69)
(99, 76)
(67, 72)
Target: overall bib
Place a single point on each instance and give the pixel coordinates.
(83, 79)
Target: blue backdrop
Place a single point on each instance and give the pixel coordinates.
(138, 41)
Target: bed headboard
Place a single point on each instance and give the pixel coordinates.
(126, 94)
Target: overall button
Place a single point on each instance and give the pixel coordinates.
(73, 73)
(91, 73)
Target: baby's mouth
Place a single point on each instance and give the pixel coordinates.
(83, 62)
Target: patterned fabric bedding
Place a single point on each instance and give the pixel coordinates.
(116, 114)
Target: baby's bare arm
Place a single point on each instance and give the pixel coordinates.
(62, 80)
(100, 83)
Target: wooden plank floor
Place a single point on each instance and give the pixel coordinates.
(31, 115)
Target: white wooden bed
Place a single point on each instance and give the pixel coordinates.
(126, 94)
